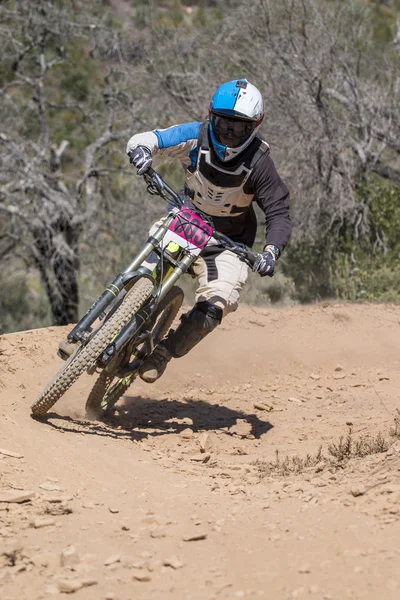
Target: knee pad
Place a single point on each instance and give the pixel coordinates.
(204, 315)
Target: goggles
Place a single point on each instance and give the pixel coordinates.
(237, 130)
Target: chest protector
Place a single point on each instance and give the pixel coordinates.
(218, 188)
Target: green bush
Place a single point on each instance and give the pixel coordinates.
(22, 303)
(279, 290)
(350, 268)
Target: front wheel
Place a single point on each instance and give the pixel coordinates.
(109, 389)
(86, 356)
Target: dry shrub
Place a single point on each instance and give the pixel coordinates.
(395, 430)
(289, 465)
(342, 450)
(339, 453)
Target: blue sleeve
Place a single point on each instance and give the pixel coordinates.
(177, 134)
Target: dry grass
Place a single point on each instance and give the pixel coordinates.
(289, 465)
(339, 453)
(348, 447)
(395, 430)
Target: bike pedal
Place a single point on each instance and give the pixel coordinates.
(62, 355)
(66, 349)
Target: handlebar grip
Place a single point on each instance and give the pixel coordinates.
(251, 258)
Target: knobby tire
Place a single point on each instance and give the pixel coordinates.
(86, 356)
(103, 397)
(95, 405)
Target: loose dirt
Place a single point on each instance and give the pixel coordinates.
(199, 487)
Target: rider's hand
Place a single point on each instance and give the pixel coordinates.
(140, 157)
(265, 262)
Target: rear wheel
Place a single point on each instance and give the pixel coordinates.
(86, 356)
(109, 389)
(105, 394)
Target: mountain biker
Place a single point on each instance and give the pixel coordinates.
(227, 167)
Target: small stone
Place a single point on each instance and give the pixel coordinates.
(13, 496)
(186, 434)
(69, 557)
(57, 499)
(111, 560)
(173, 562)
(150, 519)
(359, 490)
(51, 487)
(338, 368)
(138, 564)
(113, 510)
(195, 537)
(256, 322)
(262, 406)
(142, 577)
(315, 377)
(42, 522)
(157, 533)
(69, 586)
(89, 581)
(304, 569)
(11, 453)
(203, 458)
(292, 399)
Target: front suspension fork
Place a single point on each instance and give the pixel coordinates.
(120, 282)
(143, 314)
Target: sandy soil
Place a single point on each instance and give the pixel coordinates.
(186, 492)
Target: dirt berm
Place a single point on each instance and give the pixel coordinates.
(265, 464)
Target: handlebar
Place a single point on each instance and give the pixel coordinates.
(241, 251)
(157, 186)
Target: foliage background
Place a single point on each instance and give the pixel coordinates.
(78, 78)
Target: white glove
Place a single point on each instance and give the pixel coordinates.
(140, 157)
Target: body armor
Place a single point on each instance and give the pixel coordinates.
(217, 188)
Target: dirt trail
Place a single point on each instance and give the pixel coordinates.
(182, 495)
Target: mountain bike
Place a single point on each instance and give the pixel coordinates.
(135, 312)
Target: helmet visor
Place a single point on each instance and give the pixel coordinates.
(232, 132)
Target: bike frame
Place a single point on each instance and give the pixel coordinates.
(135, 270)
(161, 289)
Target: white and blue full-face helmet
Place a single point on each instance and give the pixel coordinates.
(236, 111)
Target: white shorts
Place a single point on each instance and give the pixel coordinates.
(220, 274)
(221, 277)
